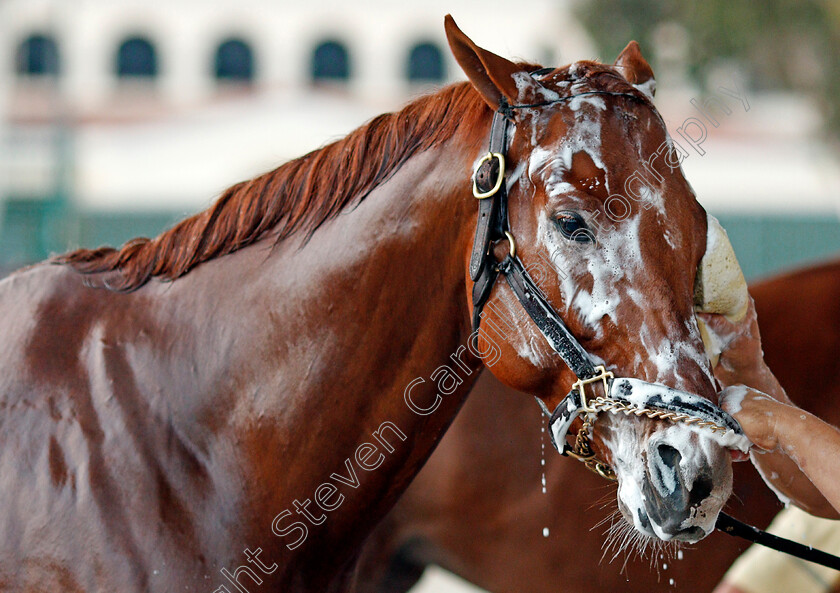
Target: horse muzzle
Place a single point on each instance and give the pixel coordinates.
(674, 480)
(684, 491)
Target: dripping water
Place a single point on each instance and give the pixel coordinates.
(542, 466)
(542, 457)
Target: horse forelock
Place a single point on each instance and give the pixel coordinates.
(590, 76)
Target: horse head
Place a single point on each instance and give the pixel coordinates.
(602, 220)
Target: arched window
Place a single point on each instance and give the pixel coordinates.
(234, 62)
(425, 63)
(37, 56)
(136, 58)
(330, 61)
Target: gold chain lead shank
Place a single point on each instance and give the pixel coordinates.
(582, 449)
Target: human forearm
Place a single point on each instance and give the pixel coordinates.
(814, 446)
(789, 447)
(741, 363)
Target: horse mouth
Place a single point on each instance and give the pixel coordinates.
(642, 523)
(672, 493)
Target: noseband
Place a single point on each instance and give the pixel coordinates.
(620, 395)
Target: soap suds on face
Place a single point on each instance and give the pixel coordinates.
(527, 86)
(583, 136)
(625, 445)
(528, 344)
(648, 87)
(514, 176)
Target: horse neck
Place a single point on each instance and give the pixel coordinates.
(373, 304)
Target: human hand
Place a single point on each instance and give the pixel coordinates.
(759, 415)
(798, 455)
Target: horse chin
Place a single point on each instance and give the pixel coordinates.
(672, 484)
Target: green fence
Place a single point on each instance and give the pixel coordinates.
(767, 244)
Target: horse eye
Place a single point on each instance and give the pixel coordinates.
(573, 227)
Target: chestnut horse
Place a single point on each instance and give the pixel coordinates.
(236, 403)
(478, 508)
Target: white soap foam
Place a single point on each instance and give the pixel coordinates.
(782, 498)
(732, 398)
(648, 87)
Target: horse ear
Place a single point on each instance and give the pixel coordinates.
(492, 76)
(635, 69)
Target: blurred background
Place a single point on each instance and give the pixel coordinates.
(119, 117)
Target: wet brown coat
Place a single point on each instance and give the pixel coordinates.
(165, 402)
(478, 510)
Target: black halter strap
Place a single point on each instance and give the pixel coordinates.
(484, 269)
(490, 187)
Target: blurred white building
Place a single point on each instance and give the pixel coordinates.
(180, 49)
(120, 116)
(160, 104)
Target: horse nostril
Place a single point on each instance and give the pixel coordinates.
(664, 471)
(674, 496)
(701, 489)
(669, 455)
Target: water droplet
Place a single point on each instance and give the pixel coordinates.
(679, 555)
(664, 567)
(671, 582)
(545, 531)
(542, 455)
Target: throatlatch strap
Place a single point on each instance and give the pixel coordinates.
(481, 290)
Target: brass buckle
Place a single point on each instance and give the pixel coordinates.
(499, 181)
(580, 385)
(512, 244)
(603, 470)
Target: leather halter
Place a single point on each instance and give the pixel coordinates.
(630, 396)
